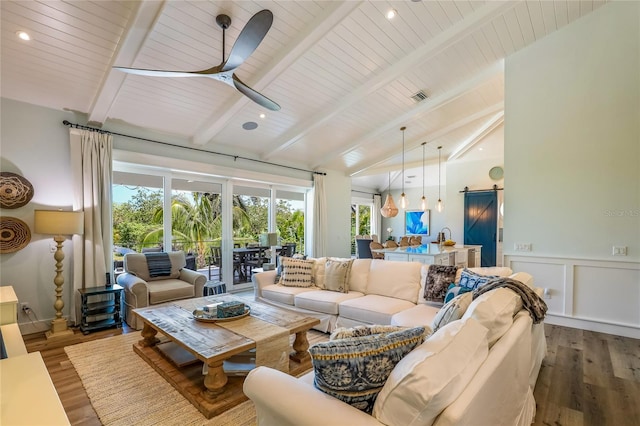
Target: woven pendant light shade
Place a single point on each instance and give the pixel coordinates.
(389, 209)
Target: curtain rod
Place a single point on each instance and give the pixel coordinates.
(495, 188)
(365, 192)
(235, 157)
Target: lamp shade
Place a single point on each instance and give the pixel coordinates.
(56, 222)
(389, 209)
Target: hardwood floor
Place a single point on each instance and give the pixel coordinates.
(587, 378)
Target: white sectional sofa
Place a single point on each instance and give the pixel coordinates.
(473, 377)
(380, 292)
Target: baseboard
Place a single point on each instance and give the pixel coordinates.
(600, 327)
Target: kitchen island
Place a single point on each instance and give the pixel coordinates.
(464, 256)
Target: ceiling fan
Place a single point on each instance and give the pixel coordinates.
(248, 40)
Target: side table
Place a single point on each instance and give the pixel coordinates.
(109, 310)
(212, 288)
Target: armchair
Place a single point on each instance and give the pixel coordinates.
(141, 289)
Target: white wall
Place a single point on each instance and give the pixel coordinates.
(572, 151)
(35, 144)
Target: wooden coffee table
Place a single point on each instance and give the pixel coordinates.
(213, 343)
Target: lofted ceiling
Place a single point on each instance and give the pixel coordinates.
(343, 74)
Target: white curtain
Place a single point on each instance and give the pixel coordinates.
(92, 170)
(376, 218)
(319, 217)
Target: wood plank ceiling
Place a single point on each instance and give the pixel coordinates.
(343, 74)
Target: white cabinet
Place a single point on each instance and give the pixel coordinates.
(8, 305)
(402, 257)
(426, 260)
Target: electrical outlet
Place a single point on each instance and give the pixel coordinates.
(24, 307)
(53, 247)
(547, 293)
(522, 246)
(619, 250)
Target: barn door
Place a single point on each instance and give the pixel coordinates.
(481, 223)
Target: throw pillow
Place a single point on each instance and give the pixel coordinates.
(336, 275)
(354, 370)
(296, 273)
(453, 291)
(438, 279)
(494, 310)
(471, 280)
(362, 330)
(452, 310)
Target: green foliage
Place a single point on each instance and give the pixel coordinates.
(197, 221)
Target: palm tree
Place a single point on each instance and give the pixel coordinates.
(196, 222)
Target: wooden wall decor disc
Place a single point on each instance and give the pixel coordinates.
(14, 234)
(15, 191)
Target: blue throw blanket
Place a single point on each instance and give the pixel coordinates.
(159, 264)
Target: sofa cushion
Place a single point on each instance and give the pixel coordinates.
(296, 272)
(433, 375)
(283, 294)
(359, 276)
(355, 369)
(452, 310)
(418, 315)
(323, 301)
(161, 291)
(472, 280)
(495, 310)
(336, 274)
(524, 277)
(136, 264)
(437, 281)
(373, 309)
(399, 280)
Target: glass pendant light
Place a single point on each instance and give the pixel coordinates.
(389, 208)
(440, 205)
(404, 203)
(423, 201)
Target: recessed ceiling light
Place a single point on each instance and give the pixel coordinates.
(263, 115)
(480, 149)
(391, 14)
(23, 35)
(250, 125)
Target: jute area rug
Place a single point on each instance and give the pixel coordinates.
(125, 390)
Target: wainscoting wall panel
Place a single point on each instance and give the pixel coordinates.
(596, 295)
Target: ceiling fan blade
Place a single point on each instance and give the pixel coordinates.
(160, 73)
(256, 97)
(249, 39)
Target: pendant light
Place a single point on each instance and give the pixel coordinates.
(389, 209)
(440, 205)
(403, 198)
(423, 201)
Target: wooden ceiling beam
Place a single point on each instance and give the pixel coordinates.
(433, 47)
(140, 26)
(335, 13)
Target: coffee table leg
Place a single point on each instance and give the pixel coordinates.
(300, 346)
(215, 380)
(149, 336)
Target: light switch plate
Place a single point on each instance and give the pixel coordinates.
(619, 250)
(522, 246)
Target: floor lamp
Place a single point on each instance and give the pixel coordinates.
(61, 224)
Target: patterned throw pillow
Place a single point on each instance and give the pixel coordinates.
(363, 330)
(296, 272)
(453, 291)
(336, 274)
(354, 370)
(471, 280)
(452, 311)
(438, 279)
